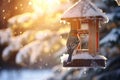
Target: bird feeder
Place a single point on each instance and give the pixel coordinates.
(85, 18)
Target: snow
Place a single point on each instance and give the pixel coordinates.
(25, 74)
(86, 55)
(100, 57)
(110, 16)
(40, 35)
(60, 52)
(13, 46)
(82, 56)
(15, 43)
(31, 50)
(111, 36)
(6, 53)
(84, 8)
(22, 18)
(108, 48)
(108, 51)
(5, 36)
(64, 57)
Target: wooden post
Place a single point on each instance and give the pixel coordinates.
(97, 35)
(92, 37)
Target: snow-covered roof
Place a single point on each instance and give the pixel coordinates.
(84, 8)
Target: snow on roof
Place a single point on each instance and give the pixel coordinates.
(84, 8)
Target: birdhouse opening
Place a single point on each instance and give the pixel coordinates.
(83, 43)
(84, 26)
(83, 36)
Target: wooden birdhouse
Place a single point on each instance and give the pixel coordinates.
(85, 18)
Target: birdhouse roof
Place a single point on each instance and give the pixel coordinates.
(83, 8)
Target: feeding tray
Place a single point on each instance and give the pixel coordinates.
(86, 61)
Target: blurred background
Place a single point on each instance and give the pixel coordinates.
(32, 39)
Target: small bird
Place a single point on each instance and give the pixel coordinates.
(72, 43)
